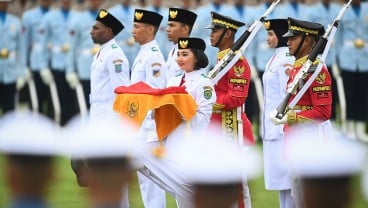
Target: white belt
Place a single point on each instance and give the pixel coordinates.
(263, 46)
(37, 46)
(56, 49)
(86, 52)
(11, 55)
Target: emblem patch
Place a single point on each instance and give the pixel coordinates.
(239, 71)
(207, 93)
(138, 15)
(173, 14)
(238, 81)
(321, 78)
(118, 65)
(183, 43)
(156, 73)
(133, 109)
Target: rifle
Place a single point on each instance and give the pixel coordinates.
(323, 45)
(238, 48)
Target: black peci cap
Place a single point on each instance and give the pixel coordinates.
(191, 43)
(148, 17)
(182, 15)
(219, 20)
(300, 27)
(280, 27)
(109, 21)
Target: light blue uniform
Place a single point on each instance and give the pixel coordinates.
(324, 15)
(260, 50)
(82, 48)
(10, 29)
(55, 45)
(282, 11)
(161, 36)
(291, 9)
(32, 35)
(125, 38)
(246, 15)
(204, 19)
(55, 48)
(353, 27)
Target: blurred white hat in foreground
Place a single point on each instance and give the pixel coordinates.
(110, 138)
(213, 160)
(28, 133)
(312, 155)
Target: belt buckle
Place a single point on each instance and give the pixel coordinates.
(359, 43)
(4, 53)
(65, 48)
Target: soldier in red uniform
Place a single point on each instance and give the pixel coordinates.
(313, 110)
(315, 105)
(232, 88)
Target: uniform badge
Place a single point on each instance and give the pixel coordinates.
(118, 65)
(138, 15)
(183, 43)
(102, 14)
(156, 69)
(132, 110)
(207, 93)
(239, 71)
(321, 78)
(154, 49)
(267, 25)
(173, 14)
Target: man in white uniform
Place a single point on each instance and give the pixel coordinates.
(148, 67)
(180, 25)
(110, 67)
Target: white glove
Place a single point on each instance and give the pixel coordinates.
(72, 79)
(22, 80)
(276, 120)
(46, 76)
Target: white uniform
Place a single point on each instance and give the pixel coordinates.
(162, 171)
(110, 69)
(276, 172)
(171, 67)
(148, 67)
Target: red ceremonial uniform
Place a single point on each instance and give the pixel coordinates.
(231, 92)
(315, 104)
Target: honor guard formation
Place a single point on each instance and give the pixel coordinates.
(193, 99)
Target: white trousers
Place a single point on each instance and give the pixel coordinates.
(286, 200)
(164, 174)
(152, 195)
